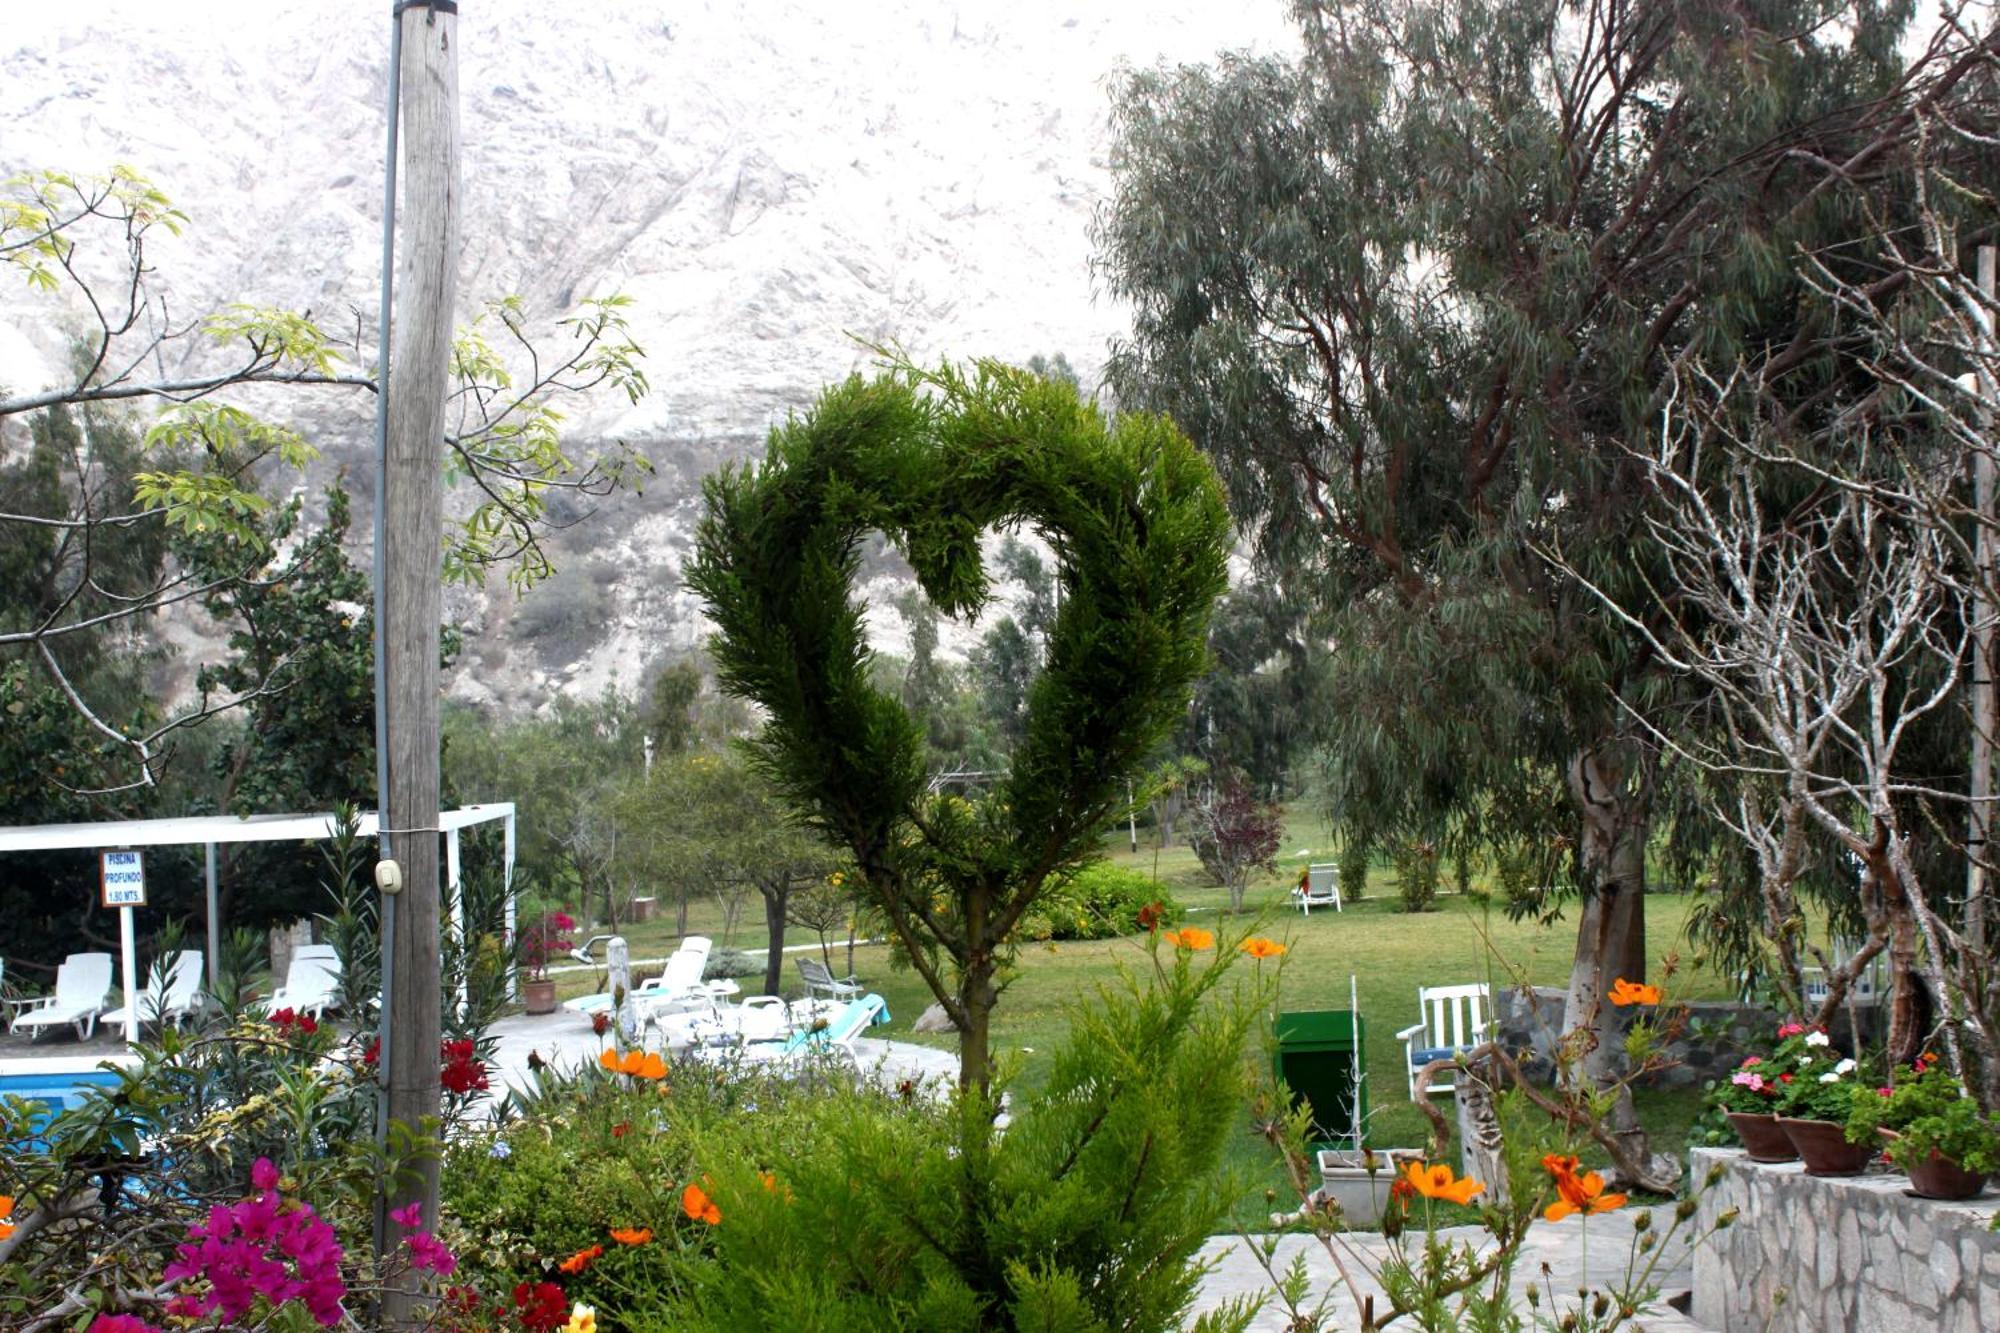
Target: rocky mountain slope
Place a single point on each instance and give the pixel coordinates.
(771, 181)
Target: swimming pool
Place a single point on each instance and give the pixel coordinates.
(59, 1082)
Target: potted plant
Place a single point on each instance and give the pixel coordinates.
(1815, 1098)
(1747, 1100)
(547, 934)
(1936, 1135)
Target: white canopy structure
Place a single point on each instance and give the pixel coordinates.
(212, 831)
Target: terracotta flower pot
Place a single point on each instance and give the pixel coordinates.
(1823, 1146)
(1762, 1138)
(538, 995)
(1939, 1177)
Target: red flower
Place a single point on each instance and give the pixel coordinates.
(619, 1131)
(463, 1072)
(543, 1306)
(600, 1022)
(373, 1054)
(283, 1018)
(1150, 914)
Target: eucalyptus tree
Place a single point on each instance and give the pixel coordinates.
(1414, 289)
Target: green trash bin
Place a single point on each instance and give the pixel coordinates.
(1320, 1054)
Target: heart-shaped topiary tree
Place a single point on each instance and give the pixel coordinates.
(932, 459)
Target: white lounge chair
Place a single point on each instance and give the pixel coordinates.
(1454, 1021)
(83, 984)
(1321, 888)
(834, 1037)
(820, 980)
(170, 993)
(312, 982)
(759, 1018)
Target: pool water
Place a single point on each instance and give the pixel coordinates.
(60, 1083)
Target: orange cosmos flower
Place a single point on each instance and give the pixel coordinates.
(698, 1206)
(608, 1058)
(1189, 937)
(651, 1066)
(1577, 1194)
(1438, 1182)
(770, 1179)
(1260, 948)
(631, 1236)
(6, 1211)
(1625, 992)
(579, 1261)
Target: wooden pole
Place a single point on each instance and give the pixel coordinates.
(413, 574)
(1985, 691)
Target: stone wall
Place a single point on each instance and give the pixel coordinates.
(1720, 1033)
(1840, 1255)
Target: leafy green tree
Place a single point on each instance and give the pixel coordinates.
(1415, 291)
(931, 459)
(670, 707)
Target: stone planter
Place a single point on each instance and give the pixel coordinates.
(1824, 1148)
(1362, 1194)
(538, 995)
(1940, 1177)
(1762, 1138)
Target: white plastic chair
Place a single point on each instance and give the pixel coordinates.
(169, 996)
(1454, 1021)
(1322, 888)
(83, 984)
(835, 1037)
(311, 982)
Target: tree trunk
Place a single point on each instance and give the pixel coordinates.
(1612, 792)
(1906, 1002)
(775, 894)
(412, 587)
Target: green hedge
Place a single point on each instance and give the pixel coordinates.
(1099, 902)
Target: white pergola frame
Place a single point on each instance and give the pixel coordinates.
(211, 831)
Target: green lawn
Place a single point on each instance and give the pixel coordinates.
(1386, 955)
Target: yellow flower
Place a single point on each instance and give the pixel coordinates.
(582, 1319)
(1625, 992)
(1438, 1182)
(1260, 948)
(1189, 937)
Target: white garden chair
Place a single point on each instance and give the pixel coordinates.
(170, 993)
(312, 982)
(1321, 888)
(83, 984)
(835, 1037)
(1454, 1021)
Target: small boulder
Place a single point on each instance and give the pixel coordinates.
(934, 1019)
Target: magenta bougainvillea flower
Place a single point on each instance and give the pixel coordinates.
(260, 1247)
(122, 1323)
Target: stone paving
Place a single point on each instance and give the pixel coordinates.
(1558, 1246)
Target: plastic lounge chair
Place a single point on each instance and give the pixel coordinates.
(1454, 1021)
(759, 1018)
(835, 1037)
(312, 982)
(170, 993)
(1319, 888)
(821, 981)
(83, 984)
(681, 976)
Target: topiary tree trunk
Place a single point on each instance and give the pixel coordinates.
(932, 459)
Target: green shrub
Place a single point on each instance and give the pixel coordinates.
(1417, 871)
(1354, 858)
(1100, 901)
(851, 1207)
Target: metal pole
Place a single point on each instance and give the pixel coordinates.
(384, 1052)
(214, 925)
